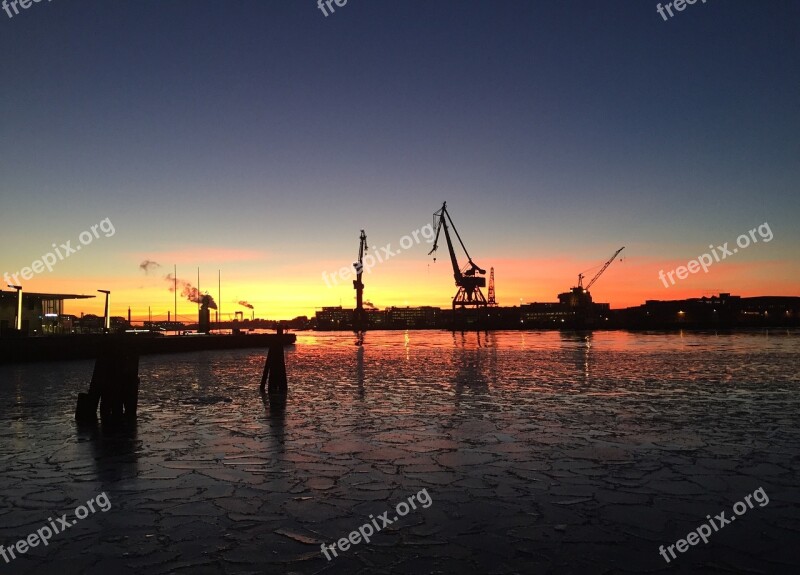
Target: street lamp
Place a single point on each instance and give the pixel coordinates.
(18, 320)
(106, 323)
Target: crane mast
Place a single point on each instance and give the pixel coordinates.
(470, 281)
(492, 300)
(359, 316)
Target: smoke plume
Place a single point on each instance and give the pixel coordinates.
(148, 265)
(190, 292)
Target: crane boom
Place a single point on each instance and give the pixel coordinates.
(442, 223)
(604, 268)
(444, 216)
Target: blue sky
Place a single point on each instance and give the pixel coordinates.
(555, 130)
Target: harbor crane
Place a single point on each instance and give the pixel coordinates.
(359, 315)
(597, 276)
(579, 296)
(470, 280)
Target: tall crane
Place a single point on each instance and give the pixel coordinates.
(359, 316)
(469, 281)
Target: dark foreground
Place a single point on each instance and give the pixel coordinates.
(533, 459)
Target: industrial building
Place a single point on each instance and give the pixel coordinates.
(334, 318)
(411, 317)
(717, 311)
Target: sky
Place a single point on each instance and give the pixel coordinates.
(255, 139)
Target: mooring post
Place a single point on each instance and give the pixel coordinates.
(265, 375)
(274, 376)
(114, 386)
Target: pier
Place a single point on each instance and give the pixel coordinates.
(73, 347)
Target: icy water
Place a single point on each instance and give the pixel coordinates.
(540, 452)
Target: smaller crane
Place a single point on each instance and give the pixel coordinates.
(492, 301)
(597, 276)
(359, 315)
(579, 297)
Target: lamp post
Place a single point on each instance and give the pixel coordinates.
(106, 322)
(18, 320)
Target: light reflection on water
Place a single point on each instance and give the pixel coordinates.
(501, 368)
(336, 387)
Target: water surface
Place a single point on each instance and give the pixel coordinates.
(546, 451)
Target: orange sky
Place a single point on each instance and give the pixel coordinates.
(281, 290)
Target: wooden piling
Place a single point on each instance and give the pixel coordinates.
(114, 386)
(274, 376)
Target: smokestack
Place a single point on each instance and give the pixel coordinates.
(204, 320)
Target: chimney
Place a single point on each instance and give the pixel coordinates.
(204, 321)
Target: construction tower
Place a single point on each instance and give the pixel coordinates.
(491, 301)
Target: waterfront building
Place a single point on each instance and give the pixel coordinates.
(413, 317)
(42, 313)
